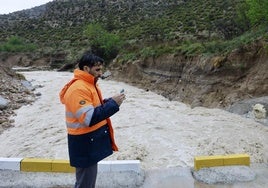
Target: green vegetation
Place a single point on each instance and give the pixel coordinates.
(194, 28)
(250, 17)
(194, 48)
(257, 11)
(103, 43)
(133, 30)
(16, 44)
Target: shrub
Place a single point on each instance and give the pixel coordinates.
(103, 43)
(16, 44)
(258, 11)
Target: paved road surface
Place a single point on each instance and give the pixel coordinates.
(165, 178)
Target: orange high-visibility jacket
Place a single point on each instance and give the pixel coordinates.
(85, 110)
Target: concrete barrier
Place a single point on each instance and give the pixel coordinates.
(10, 163)
(60, 165)
(22, 172)
(221, 160)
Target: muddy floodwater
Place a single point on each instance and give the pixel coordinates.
(158, 132)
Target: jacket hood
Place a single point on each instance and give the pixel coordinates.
(78, 75)
(64, 89)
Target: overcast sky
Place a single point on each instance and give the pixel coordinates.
(8, 6)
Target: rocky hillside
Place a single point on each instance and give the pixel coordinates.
(60, 24)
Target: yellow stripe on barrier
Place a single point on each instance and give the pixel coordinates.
(35, 165)
(221, 160)
(61, 166)
(239, 159)
(45, 165)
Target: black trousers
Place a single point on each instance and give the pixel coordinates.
(86, 177)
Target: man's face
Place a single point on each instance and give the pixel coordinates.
(95, 71)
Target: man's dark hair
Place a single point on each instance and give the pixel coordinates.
(90, 60)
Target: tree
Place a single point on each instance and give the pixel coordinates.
(102, 42)
(16, 44)
(258, 11)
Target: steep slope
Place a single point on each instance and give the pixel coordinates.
(217, 81)
(60, 24)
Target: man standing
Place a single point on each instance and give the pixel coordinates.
(90, 132)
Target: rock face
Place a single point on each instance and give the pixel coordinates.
(3, 103)
(259, 111)
(13, 95)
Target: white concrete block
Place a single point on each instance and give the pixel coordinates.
(104, 166)
(125, 165)
(10, 163)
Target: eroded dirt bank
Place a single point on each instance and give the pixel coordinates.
(217, 81)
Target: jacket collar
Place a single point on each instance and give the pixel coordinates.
(82, 75)
(78, 75)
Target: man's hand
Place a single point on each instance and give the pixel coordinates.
(119, 98)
